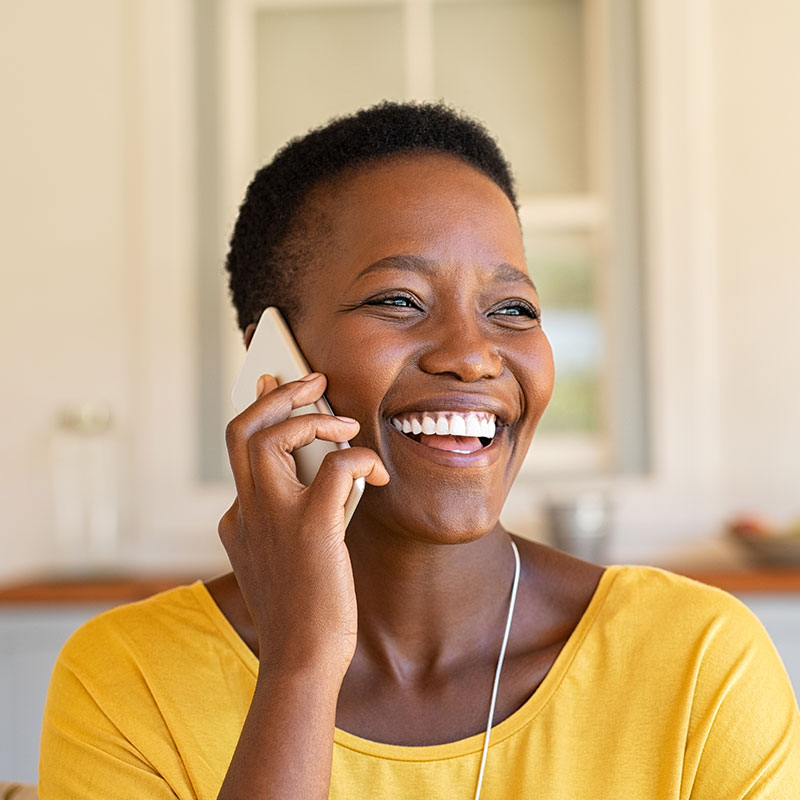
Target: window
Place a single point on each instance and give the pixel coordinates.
(554, 80)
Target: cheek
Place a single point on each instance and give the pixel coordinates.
(360, 370)
(536, 377)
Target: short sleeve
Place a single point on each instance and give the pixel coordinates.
(744, 739)
(83, 754)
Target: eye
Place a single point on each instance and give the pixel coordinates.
(517, 309)
(394, 300)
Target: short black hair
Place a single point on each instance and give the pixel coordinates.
(266, 252)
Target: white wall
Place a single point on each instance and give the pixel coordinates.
(757, 140)
(63, 212)
(96, 206)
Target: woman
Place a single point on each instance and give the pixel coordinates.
(361, 663)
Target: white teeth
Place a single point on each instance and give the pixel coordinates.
(458, 427)
(448, 423)
(473, 426)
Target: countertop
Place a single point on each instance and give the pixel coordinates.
(115, 589)
(89, 589)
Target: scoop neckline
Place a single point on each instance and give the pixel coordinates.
(533, 706)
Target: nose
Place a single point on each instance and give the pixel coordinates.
(462, 349)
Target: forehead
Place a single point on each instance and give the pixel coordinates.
(427, 203)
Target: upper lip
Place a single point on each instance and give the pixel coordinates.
(457, 402)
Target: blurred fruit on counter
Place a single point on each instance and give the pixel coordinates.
(749, 525)
(767, 544)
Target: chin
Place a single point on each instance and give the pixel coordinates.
(444, 518)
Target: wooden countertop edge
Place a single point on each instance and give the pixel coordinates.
(86, 591)
(113, 590)
(758, 579)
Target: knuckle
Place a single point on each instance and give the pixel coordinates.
(283, 400)
(232, 432)
(359, 452)
(331, 464)
(260, 439)
(353, 457)
(279, 401)
(269, 441)
(332, 458)
(347, 460)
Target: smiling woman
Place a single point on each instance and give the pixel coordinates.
(361, 660)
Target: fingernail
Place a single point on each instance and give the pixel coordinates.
(312, 377)
(346, 419)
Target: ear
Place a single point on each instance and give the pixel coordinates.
(248, 333)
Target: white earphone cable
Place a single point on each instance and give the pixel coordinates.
(499, 668)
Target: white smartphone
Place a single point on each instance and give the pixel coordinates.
(274, 350)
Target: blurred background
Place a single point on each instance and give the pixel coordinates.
(655, 145)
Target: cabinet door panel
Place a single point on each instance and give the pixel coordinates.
(781, 617)
(29, 644)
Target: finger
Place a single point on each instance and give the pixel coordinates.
(276, 401)
(273, 405)
(335, 478)
(271, 462)
(266, 384)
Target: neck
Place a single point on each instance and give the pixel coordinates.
(424, 607)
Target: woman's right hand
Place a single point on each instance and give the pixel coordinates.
(285, 540)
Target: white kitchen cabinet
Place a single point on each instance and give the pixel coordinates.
(780, 615)
(30, 639)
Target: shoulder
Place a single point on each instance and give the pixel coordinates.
(705, 649)
(155, 626)
(650, 595)
(126, 671)
(719, 679)
(131, 694)
(705, 632)
(650, 592)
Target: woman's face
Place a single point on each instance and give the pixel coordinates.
(422, 309)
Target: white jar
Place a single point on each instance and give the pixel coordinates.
(85, 488)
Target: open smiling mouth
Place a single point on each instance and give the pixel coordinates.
(453, 431)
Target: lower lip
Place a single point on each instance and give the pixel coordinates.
(484, 457)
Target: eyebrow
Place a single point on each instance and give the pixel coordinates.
(504, 273)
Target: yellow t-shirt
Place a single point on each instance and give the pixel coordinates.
(666, 689)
